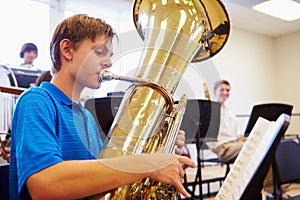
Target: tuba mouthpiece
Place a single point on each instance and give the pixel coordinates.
(106, 75)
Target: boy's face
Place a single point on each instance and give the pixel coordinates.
(222, 93)
(90, 58)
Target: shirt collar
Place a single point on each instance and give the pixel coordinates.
(58, 94)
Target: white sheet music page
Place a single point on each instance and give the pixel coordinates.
(249, 159)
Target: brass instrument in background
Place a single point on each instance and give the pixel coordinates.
(175, 33)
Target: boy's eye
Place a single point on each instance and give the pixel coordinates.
(99, 52)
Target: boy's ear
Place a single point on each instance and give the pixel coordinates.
(66, 49)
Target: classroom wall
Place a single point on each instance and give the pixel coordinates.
(247, 63)
(287, 54)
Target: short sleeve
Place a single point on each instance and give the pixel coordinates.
(34, 126)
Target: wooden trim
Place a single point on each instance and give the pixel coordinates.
(246, 115)
(12, 90)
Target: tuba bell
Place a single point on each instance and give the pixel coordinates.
(175, 33)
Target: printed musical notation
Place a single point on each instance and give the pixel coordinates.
(249, 159)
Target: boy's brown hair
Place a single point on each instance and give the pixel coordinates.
(77, 28)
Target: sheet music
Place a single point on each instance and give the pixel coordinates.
(252, 154)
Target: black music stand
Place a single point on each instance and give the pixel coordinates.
(201, 119)
(201, 123)
(104, 111)
(254, 187)
(269, 111)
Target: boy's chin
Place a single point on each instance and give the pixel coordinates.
(94, 86)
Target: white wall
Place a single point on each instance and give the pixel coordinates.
(247, 62)
(288, 69)
(24, 21)
(287, 56)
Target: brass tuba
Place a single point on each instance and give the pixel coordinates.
(175, 33)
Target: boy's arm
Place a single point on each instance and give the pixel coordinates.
(78, 179)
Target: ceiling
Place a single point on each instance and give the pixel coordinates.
(240, 13)
(243, 17)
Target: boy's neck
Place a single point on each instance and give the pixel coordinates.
(68, 87)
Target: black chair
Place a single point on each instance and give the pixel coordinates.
(4, 177)
(269, 111)
(287, 166)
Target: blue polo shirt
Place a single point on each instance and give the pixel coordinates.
(48, 128)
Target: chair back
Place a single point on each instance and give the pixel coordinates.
(288, 161)
(269, 111)
(4, 185)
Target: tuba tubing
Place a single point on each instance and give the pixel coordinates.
(106, 75)
(175, 33)
(167, 136)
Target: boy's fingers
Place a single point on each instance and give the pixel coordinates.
(181, 189)
(186, 161)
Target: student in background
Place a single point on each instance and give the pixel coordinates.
(29, 53)
(231, 138)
